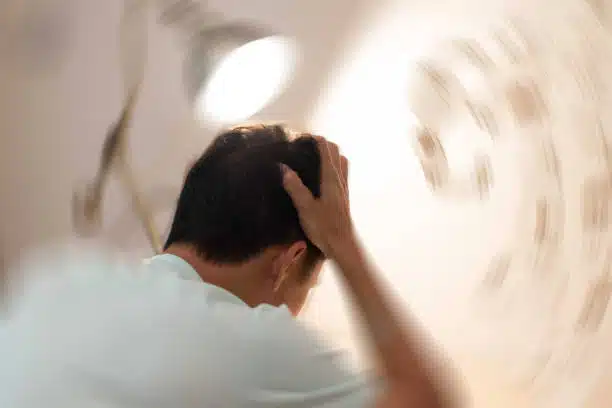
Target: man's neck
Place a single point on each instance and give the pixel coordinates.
(237, 279)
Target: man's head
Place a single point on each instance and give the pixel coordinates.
(235, 215)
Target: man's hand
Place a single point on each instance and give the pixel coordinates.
(326, 220)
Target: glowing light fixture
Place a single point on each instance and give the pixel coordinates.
(233, 71)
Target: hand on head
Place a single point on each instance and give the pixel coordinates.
(326, 220)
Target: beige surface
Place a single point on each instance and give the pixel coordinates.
(536, 331)
(435, 251)
(55, 110)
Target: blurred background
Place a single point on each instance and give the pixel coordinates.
(477, 132)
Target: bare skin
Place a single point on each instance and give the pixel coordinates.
(404, 362)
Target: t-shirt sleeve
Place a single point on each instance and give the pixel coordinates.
(295, 368)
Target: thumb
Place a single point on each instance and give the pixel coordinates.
(296, 189)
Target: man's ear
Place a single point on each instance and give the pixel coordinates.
(296, 251)
(286, 262)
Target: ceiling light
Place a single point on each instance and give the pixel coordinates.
(233, 71)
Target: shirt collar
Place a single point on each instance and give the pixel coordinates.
(184, 270)
(175, 264)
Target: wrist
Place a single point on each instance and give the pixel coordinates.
(343, 249)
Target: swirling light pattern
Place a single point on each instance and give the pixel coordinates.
(509, 127)
(549, 88)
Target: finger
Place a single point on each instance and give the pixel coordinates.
(326, 169)
(299, 193)
(334, 152)
(345, 174)
(329, 154)
(344, 167)
(334, 155)
(320, 140)
(336, 164)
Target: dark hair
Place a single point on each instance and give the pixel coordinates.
(233, 204)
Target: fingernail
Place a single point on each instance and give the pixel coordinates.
(284, 168)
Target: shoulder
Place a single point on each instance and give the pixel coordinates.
(299, 364)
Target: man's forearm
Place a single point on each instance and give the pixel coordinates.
(402, 358)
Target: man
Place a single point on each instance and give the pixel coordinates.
(210, 323)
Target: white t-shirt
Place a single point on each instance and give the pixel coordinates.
(99, 334)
